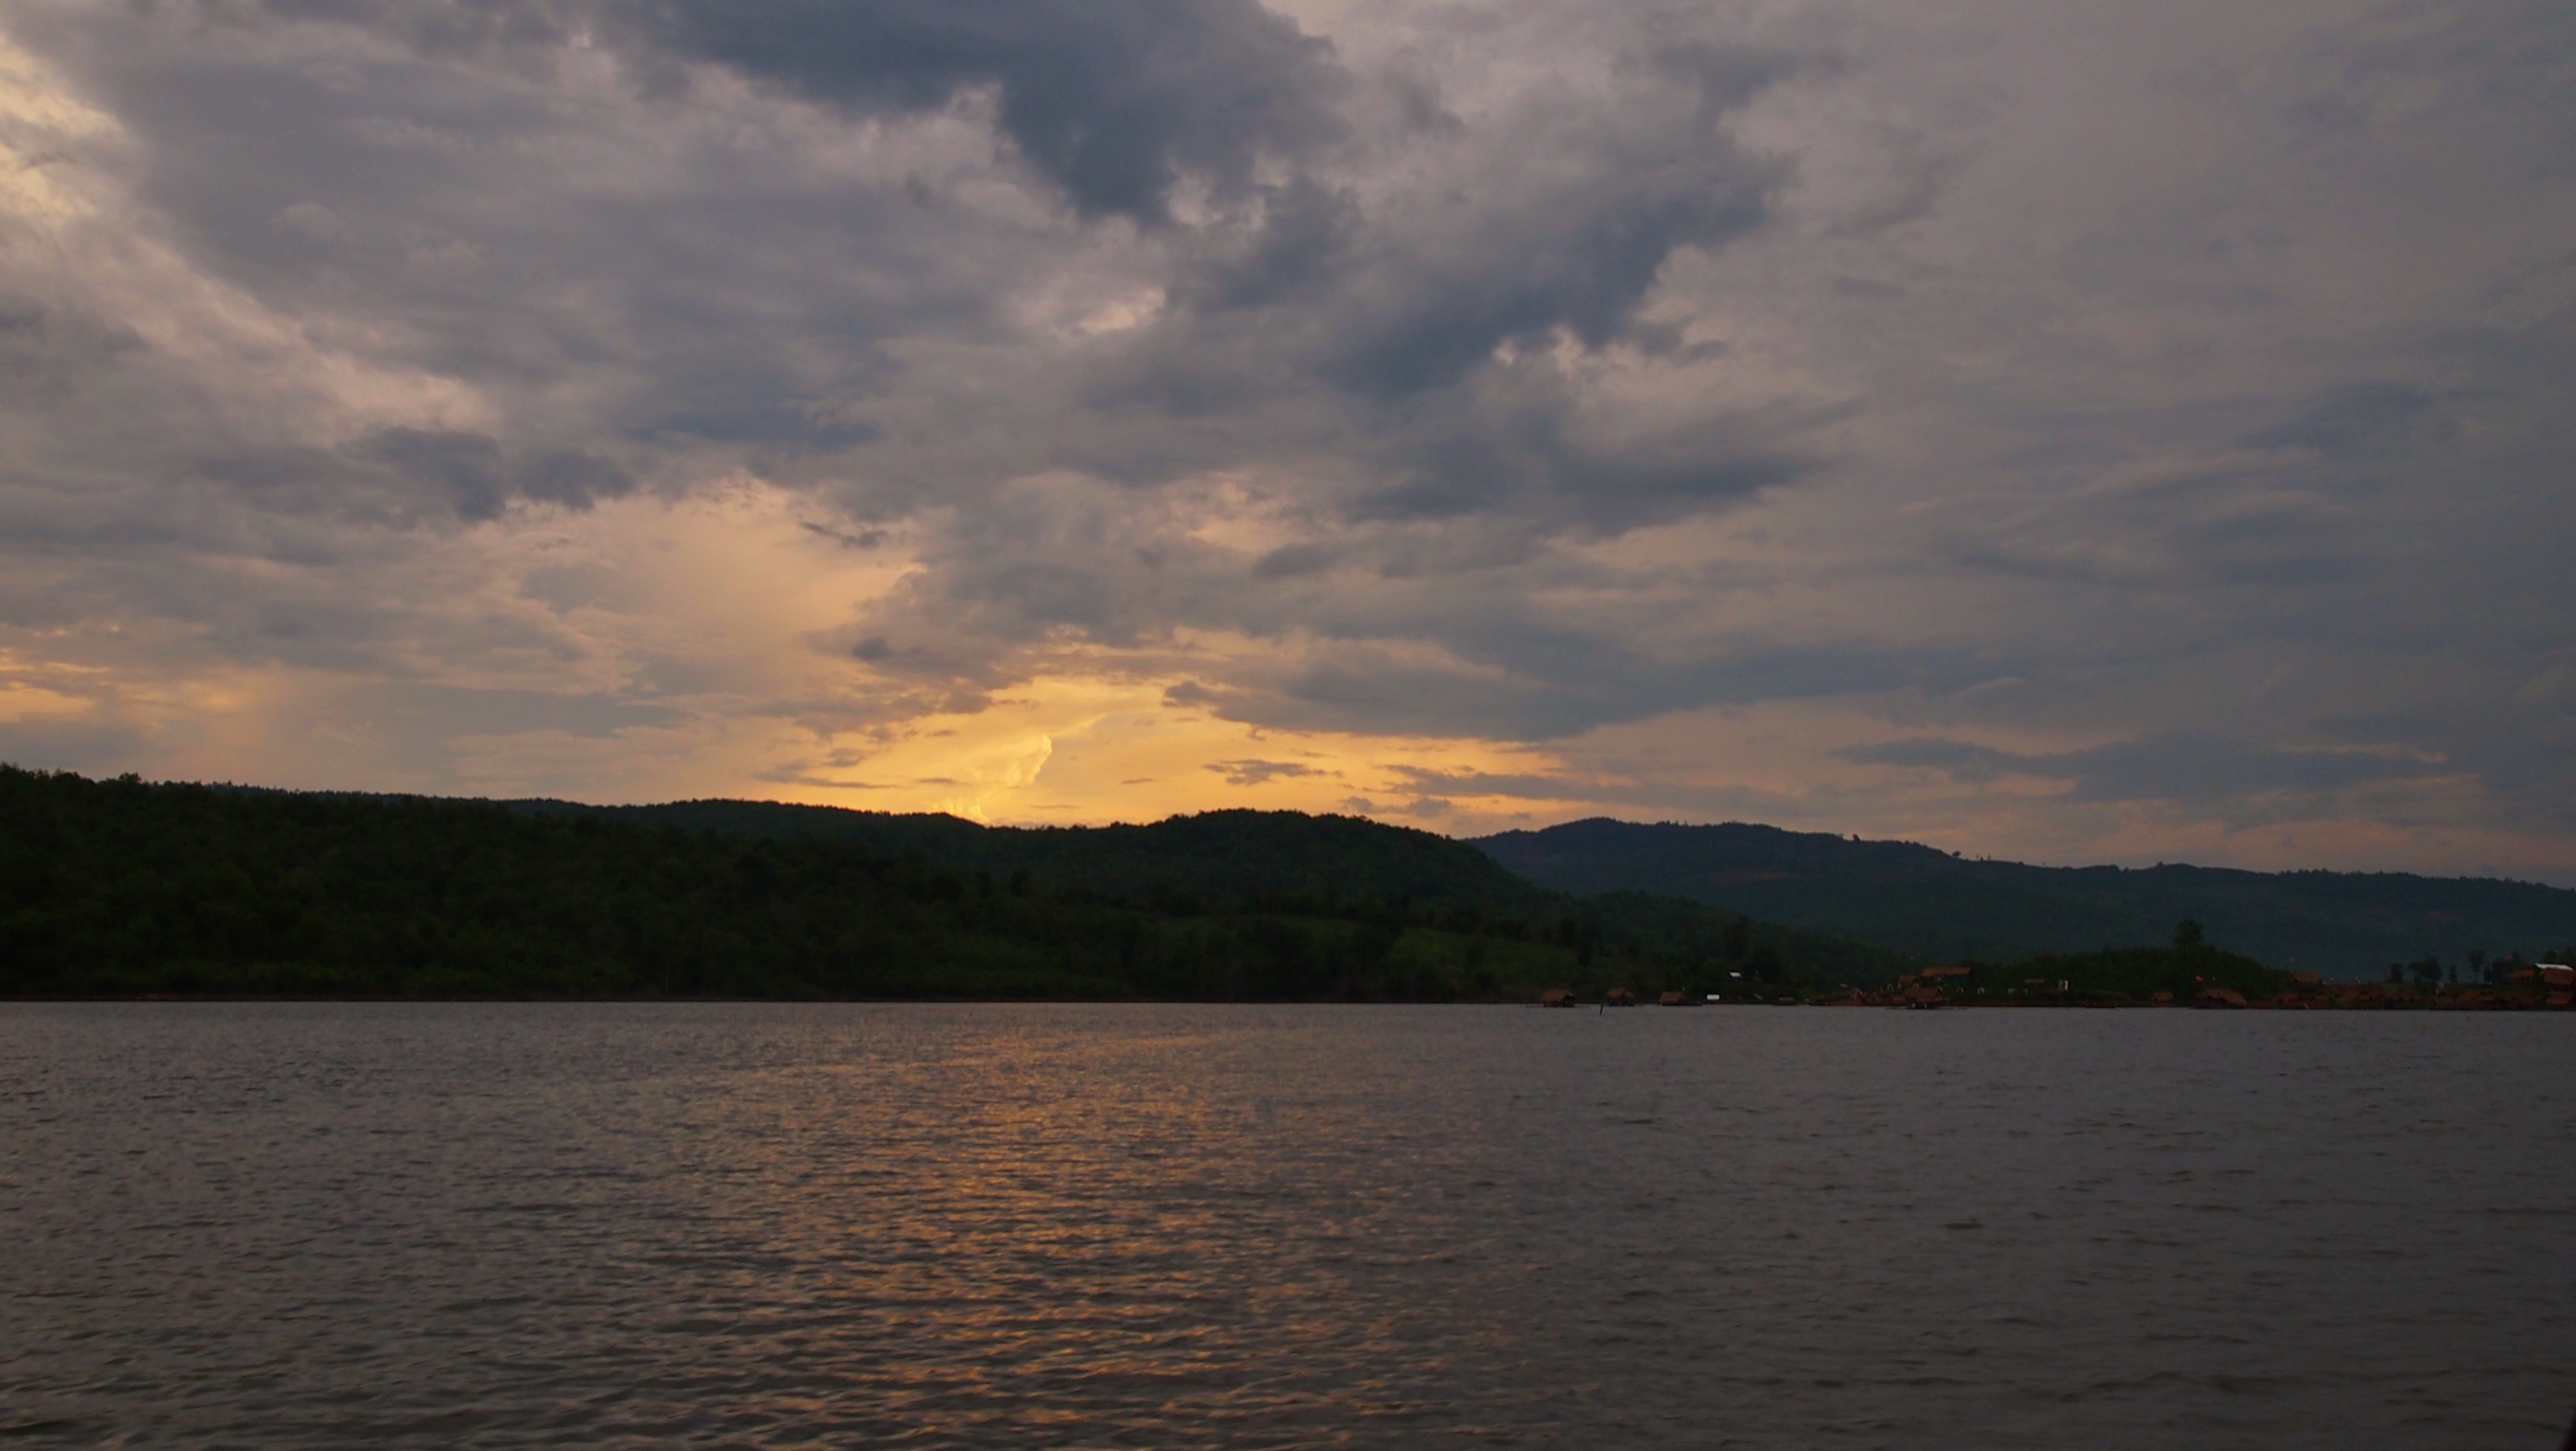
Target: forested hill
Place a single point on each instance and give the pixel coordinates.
(1922, 901)
(115, 887)
(1217, 859)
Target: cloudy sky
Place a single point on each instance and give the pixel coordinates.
(2060, 429)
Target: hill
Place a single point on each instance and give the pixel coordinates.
(1928, 903)
(1213, 859)
(117, 887)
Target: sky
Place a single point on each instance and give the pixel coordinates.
(2062, 430)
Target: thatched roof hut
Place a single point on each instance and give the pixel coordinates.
(1619, 997)
(1557, 997)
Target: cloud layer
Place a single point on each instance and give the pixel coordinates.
(2065, 431)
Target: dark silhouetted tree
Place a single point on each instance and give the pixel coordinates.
(1765, 964)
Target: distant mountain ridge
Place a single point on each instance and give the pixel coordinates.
(1923, 901)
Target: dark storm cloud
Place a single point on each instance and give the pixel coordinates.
(1520, 446)
(1580, 260)
(1552, 222)
(1414, 333)
(471, 470)
(1578, 250)
(1114, 100)
(1290, 248)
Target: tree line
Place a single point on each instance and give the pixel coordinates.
(127, 887)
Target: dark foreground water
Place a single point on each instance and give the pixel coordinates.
(763, 1225)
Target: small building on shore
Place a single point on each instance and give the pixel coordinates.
(1557, 997)
(1619, 997)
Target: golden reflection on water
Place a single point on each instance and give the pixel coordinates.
(1054, 1218)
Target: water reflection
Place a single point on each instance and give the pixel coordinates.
(774, 1225)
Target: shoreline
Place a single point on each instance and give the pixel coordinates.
(1879, 1001)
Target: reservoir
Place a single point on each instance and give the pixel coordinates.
(970, 1225)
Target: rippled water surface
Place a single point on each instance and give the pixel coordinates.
(766, 1225)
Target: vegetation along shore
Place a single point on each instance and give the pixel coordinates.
(127, 888)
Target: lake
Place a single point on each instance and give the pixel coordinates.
(771, 1225)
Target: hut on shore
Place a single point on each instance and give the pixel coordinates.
(1557, 997)
(2218, 997)
(1673, 1000)
(1619, 997)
